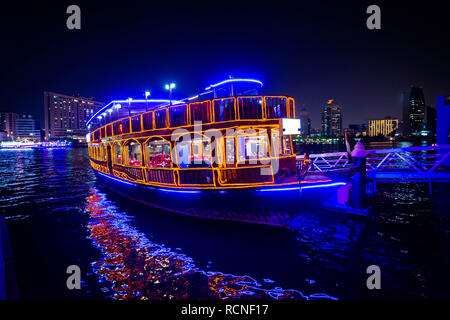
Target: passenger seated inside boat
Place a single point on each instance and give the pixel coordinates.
(133, 153)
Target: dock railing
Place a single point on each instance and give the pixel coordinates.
(423, 162)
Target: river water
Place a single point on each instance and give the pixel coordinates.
(58, 215)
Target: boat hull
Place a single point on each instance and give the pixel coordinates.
(275, 206)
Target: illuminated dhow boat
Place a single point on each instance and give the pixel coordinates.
(215, 155)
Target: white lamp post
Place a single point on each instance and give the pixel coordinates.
(146, 94)
(170, 86)
(129, 105)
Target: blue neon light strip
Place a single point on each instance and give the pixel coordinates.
(100, 111)
(161, 189)
(233, 80)
(180, 191)
(306, 187)
(325, 185)
(280, 189)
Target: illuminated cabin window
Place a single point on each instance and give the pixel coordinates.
(103, 152)
(96, 134)
(147, 121)
(132, 155)
(157, 153)
(178, 116)
(200, 111)
(117, 151)
(160, 118)
(291, 108)
(281, 144)
(250, 108)
(136, 123)
(276, 108)
(126, 125)
(230, 152)
(224, 110)
(117, 128)
(193, 152)
(109, 131)
(252, 147)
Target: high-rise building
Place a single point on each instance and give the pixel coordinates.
(415, 120)
(65, 116)
(8, 124)
(431, 116)
(28, 128)
(383, 127)
(305, 122)
(443, 120)
(331, 119)
(405, 121)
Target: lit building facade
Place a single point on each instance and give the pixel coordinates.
(383, 127)
(28, 128)
(443, 120)
(8, 124)
(331, 119)
(65, 116)
(431, 116)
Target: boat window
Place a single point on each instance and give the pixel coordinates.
(200, 111)
(286, 146)
(117, 128)
(117, 153)
(132, 153)
(229, 150)
(224, 110)
(103, 132)
(160, 118)
(96, 135)
(147, 120)
(252, 147)
(291, 108)
(126, 125)
(250, 108)
(276, 107)
(109, 131)
(178, 116)
(282, 143)
(103, 152)
(136, 123)
(195, 153)
(158, 154)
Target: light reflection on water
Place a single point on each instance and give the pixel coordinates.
(137, 268)
(57, 216)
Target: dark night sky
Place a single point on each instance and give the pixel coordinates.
(310, 50)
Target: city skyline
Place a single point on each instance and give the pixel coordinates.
(114, 54)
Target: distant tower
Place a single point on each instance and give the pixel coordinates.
(443, 120)
(305, 121)
(331, 119)
(405, 123)
(416, 110)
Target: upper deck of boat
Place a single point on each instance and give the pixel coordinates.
(138, 116)
(230, 102)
